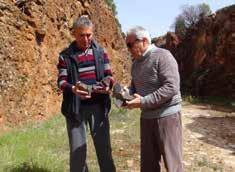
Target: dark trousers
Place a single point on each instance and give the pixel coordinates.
(161, 137)
(94, 115)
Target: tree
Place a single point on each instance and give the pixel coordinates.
(180, 28)
(112, 5)
(204, 9)
(189, 16)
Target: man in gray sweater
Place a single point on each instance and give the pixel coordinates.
(156, 88)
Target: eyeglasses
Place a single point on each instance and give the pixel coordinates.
(131, 44)
(86, 35)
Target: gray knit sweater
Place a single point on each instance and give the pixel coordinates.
(155, 76)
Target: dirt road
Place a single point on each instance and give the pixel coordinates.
(209, 138)
(209, 141)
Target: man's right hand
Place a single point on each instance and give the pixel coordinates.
(82, 94)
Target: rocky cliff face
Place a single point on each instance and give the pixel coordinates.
(206, 55)
(32, 34)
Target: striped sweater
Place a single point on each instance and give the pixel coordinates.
(86, 69)
(156, 78)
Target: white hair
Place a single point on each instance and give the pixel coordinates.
(140, 33)
(82, 21)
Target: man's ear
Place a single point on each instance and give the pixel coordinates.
(145, 40)
(72, 32)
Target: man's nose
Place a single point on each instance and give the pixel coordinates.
(86, 38)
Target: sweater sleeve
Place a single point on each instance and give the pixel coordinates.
(131, 88)
(170, 82)
(62, 80)
(107, 68)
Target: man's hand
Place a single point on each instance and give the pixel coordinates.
(135, 103)
(82, 94)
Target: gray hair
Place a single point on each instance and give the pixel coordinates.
(82, 21)
(140, 33)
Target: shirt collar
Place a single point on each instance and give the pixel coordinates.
(150, 47)
(146, 52)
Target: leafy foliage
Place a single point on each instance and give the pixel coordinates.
(180, 27)
(189, 16)
(112, 5)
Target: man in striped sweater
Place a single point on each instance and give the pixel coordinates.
(156, 88)
(84, 61)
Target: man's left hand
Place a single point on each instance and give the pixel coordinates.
(135, 103)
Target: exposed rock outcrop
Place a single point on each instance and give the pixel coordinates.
(206, 55)
(32, 34)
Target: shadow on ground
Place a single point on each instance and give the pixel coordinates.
(27, 167)
(218, 108)
(217, 131)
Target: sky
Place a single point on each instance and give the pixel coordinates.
(157, 16)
